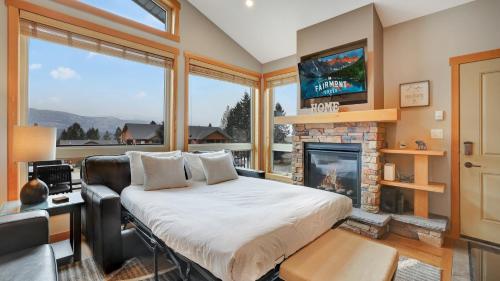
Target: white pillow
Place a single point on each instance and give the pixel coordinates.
(194, 163)
(218, 168)
(136, 169)
(163, 172)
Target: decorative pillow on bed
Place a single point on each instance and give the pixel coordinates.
(136, 168)
(194, 163)
(163, 172)
(218, 168)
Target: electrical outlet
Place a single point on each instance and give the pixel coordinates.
(439, 115)
(436, 133)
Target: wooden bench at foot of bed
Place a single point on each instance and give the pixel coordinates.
(341, 256)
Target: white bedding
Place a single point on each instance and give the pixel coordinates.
(240, 229)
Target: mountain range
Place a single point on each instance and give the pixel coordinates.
(62, 120)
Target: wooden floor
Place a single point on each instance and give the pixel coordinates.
(439, 257)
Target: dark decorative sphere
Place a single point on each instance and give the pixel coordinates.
(34, 191)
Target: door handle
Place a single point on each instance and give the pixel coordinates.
(470, 165)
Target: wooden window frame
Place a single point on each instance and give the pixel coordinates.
(173, 5)
(256, 97)
(455, 63)
(268, 124)
(14, 88)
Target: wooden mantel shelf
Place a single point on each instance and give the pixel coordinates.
(377, 115)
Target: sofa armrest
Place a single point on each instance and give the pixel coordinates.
(103, 225)
(251, 173)
(24, 230)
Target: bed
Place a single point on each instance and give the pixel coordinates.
(237, 230)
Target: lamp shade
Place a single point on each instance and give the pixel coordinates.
(34, 144)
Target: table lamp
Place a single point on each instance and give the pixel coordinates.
(32, 144)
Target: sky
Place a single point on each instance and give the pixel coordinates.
(128, 9)
(81, 82)
(84, 83)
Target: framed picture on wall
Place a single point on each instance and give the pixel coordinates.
(414, 94)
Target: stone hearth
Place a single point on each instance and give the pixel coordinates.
(371, 136)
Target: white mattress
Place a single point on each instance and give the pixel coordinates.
(240, 229)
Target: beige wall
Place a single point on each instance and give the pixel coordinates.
(419, 50)
(280, 64)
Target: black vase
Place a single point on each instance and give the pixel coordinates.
(34, 191)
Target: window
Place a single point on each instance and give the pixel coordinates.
(159, 17)
(147, 12)
(221, 113)
(282, 100)
(96, 93)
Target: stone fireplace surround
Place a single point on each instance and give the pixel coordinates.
(371, 136)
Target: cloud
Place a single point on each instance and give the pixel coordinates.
(91, 55)
(140, 95)
(35, 66)
(64, 73)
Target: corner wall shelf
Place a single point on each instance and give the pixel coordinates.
(421, 186)
(431, 187)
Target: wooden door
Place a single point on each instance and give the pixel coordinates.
(480, 171)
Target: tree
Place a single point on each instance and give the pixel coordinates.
(107, 136)
(239, 120)
(93, 134)
(223, 121)
(64, 135)
(160, 132)
(152, 123)
(118, 134)
(280, 131)
(73, 132)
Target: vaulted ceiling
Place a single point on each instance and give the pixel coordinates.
(268, 29)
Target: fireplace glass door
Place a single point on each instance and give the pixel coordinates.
(334, 167)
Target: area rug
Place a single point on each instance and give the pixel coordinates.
(135, 269)
(138, 269)
(414, 270)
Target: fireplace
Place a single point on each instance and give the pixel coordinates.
(334, 167)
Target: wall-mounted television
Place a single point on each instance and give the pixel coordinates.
(334, 76)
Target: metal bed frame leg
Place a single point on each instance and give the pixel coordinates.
(155, 262)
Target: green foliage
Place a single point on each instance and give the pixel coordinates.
(93, 134)
(107, 136)
(237, 120)
(160, 133)
(73, 132)
(118, 134)
(280, 131)
(355, 71)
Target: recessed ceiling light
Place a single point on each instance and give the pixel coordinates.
(249, 3)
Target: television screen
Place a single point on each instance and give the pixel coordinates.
(333, 75)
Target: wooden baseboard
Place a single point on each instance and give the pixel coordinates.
(59, 237)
